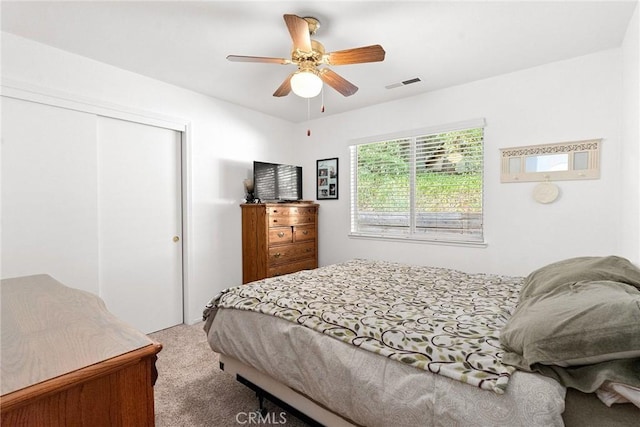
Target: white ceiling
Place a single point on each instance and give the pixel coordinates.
(443, 43)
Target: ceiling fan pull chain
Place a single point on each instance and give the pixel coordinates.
(322, 92)
(308, 115)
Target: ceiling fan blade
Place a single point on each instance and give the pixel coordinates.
(285, 87)
(373, 53)
(338, 82)
(240, 58)
(299, 30)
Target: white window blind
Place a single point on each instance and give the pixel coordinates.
(426, 186)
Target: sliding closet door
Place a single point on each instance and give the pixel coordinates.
(140, 223)
(49, 184)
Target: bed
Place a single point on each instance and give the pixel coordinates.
(378, 343)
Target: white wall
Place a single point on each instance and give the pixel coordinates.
(630, 208)
(224, 141)
(564, 101)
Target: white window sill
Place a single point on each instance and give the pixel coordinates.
(423, 240)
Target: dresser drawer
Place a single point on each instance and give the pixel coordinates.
(291, 215)
(280, 235)
(285, 253)
(280, 220)
(292, 267)
(290, 210)
(304, 232)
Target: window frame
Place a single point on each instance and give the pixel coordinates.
(412, 236)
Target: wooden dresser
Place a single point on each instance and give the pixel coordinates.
(67, 361)
(278, 238)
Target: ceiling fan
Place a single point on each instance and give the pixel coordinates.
(310, 57)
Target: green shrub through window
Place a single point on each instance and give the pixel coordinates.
(427, 186)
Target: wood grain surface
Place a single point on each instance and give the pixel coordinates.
(67, 361)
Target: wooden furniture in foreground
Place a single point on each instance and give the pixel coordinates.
(278, 238)
(67, 361)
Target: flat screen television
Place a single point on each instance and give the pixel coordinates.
(277, 182)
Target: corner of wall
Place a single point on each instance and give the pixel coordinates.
(630, 231)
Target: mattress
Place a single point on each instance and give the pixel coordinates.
(373, 390)
(370, 387)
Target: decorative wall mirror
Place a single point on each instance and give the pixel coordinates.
(551, 162)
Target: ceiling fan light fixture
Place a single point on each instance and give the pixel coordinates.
(308, 55)
(306, 84)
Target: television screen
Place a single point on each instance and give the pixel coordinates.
(277, 182)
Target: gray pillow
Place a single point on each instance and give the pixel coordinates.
(612, 268)
(574, 324)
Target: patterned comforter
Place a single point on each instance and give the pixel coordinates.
(440, 320)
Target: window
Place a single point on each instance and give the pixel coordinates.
(424, 185)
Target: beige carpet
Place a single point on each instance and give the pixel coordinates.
(192, 391)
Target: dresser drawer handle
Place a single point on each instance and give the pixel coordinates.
(275, 211)
(305, 232)
(277, 255)
(281, 234)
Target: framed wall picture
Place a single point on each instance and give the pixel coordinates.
(327, 179)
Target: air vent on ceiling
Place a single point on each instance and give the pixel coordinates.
(403, 83)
